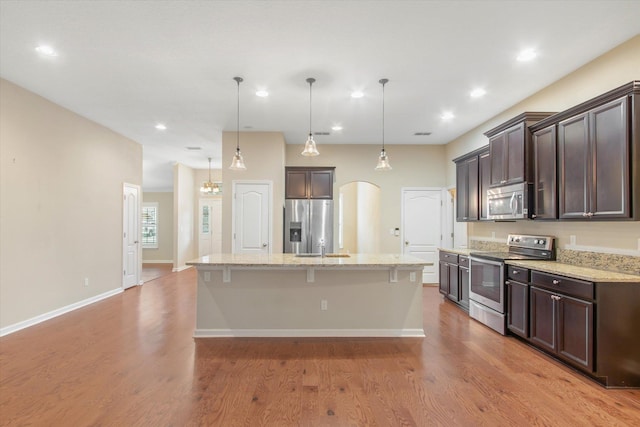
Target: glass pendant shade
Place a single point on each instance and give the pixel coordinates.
(383, 162)
(310, 147)
(237, 164)
(209, 187)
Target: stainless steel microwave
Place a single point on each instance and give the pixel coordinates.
(509, 202)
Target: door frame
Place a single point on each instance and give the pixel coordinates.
(234, 186)
(138, 190)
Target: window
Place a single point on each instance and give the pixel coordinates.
(150, 225)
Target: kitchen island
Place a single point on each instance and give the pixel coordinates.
(283, 295)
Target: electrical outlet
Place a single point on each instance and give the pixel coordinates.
(207, 276)
(86, 282)
(412, 276)
(323, 305)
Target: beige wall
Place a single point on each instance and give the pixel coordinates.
(613, 69)
(413, 166)
(164, 251)
(61, 187)
(263, 154)
(184, 216)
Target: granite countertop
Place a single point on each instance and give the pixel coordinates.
(459, 251)
(584, 273)
(290, 260)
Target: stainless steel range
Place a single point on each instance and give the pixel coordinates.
(487, 276)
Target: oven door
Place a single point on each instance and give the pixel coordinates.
(486, 283)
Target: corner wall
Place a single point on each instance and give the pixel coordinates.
(61, 190)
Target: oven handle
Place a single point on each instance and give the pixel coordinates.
(486, 261)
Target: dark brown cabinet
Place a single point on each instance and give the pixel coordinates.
(309, 183)
(469, 172)
(518, 301)
(454, 278)
(485, 181)
(545, 172)
(594, 163)
(561, 317)
(511, 150)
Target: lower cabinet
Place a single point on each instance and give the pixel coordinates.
(454, 278)
(518, 300)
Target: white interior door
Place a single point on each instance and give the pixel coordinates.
(131, 264)
(209, 227)
(421, 225)
(252, 217)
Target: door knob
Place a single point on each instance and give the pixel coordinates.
(264, 245)
(136, 242)
(406, 243)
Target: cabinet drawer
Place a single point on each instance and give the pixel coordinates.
(565, 285)
(463, 261)
(518, 273)
(449, 257)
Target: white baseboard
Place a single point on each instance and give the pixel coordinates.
(184, 267)
(303, 333)
(55, 313)
(157, 261)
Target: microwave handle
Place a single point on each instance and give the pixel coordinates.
(513, 204)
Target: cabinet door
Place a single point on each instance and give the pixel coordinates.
(575, 331)
(542, 319)
(573, 167)
(462, 178)
(463, 282)
(321, 184)
(484, 173)
(518, 308)
(296, 185)
(472, 190)
(453, 282)
(609, 143)
(515, 158)
(444, 278)
(498, 150)
(544, 184)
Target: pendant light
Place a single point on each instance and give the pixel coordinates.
(310, 146)
(209, 187)
(383, 160)
(237, 164)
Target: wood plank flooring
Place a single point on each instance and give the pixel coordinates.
(131, 360)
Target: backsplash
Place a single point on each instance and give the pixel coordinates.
(601, 261)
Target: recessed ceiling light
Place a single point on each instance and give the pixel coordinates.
(161, 126)
(46, 50)
(526, 55)
(357, 94)
(447, 115)
(477, 93)
(262, 93)
(194, 148)
(422, 133)
(336, 127)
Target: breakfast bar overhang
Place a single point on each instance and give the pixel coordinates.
(283, 295)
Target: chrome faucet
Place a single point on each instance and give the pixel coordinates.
(322, 247)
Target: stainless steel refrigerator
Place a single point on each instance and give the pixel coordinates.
(307, 224)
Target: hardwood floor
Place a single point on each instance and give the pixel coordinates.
(131, 360)
(151, 271)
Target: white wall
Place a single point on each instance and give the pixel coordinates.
(613, 69)
(61, 188)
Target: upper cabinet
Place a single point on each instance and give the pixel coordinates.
(471, 169)
(309, 183)
(510, 149)
(597, 148)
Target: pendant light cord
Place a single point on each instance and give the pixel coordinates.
(310, 80)
(383, 82)
(238, 80)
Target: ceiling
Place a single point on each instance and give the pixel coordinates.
(129, 65)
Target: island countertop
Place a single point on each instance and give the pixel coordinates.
(293, 261)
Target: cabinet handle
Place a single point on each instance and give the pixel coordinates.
(584, 214)
(555, 297)
(555, 282)
(503, 181)
(589, 214)
(514, 272)
(534, 216)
